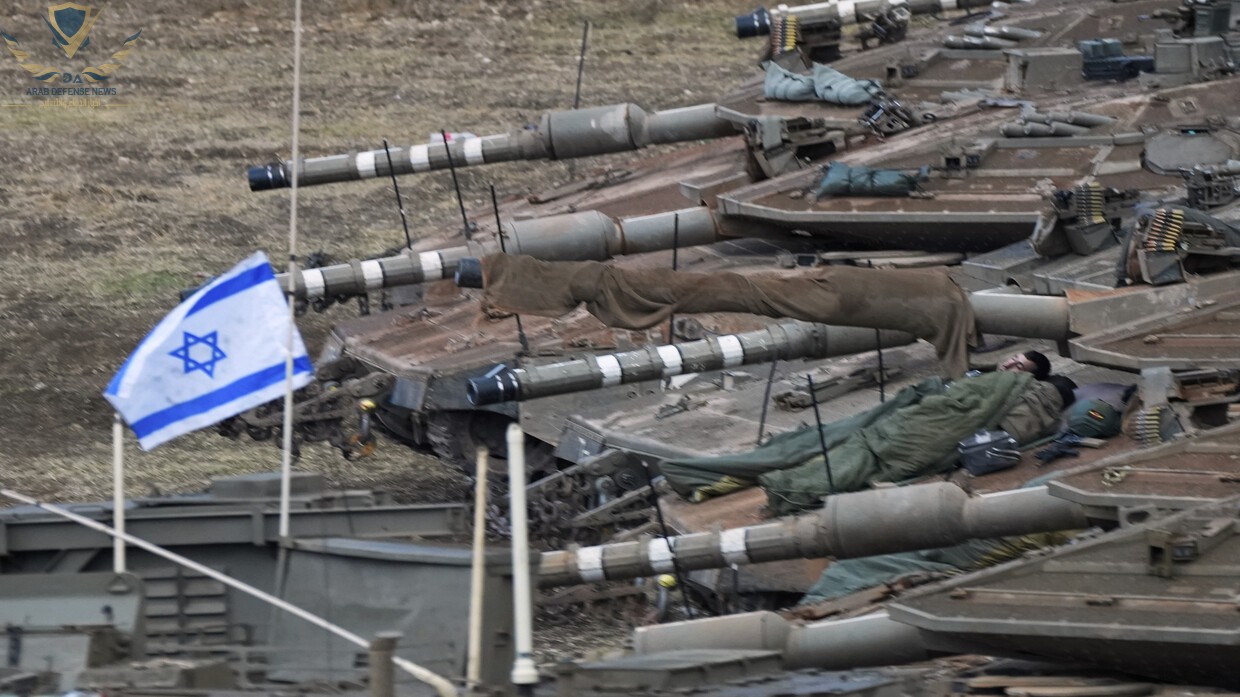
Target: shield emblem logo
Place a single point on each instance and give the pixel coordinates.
(71, 23)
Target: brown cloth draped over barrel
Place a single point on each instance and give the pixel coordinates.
(924, 303)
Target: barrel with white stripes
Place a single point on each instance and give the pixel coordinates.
(358, 277)
(759, 22)
(927, 516)
(560, 135)
(582, 236)
(787, 340)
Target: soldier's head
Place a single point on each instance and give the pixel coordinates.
(1029, 362)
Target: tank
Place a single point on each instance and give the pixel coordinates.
(1024, 176)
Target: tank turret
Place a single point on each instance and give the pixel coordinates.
(1082, 603)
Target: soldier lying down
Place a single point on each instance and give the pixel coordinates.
(911, 435)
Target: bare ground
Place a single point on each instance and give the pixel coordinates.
(106, 213)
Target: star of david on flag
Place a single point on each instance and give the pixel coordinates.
(220, 352)
(186, 353)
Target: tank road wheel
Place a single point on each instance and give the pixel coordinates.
(455, 436)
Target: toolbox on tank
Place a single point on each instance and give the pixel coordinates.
(988, 451)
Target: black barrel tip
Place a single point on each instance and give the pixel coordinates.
(267, 177)
(756, 23)
(469, 273)
(498, 385)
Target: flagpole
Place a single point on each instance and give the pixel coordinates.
(118, 494)
(286, 464)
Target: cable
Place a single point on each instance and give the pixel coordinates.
(456, 184)
(499, 235)
(404, 221)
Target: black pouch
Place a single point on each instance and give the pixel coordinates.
(988, 451)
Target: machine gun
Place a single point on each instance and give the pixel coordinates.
(1211, 186)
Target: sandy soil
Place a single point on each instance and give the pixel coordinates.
(105, 214)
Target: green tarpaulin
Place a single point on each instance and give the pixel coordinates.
(785, 449)
(849, 576)
(911, 435)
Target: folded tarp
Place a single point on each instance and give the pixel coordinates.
(923, 302)
(844, 180)
(826, 84)
(837, 88)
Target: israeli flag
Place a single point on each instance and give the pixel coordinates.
(220, 352)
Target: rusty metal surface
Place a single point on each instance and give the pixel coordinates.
(1094, 25)
(647, 186)
(1196, 338)
(1175, 578)
(1009, 178)
(1178, 474)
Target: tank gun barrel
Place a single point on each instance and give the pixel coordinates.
(926, 516)
(560, 135)
(759, 21)
(1010, 315)
(1017, 33)
(993, 43)
(358, 277)
(868, 640)
(1230, 168)
(584, 236)
(787, 340)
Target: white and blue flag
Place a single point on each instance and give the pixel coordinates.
(220, 352)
